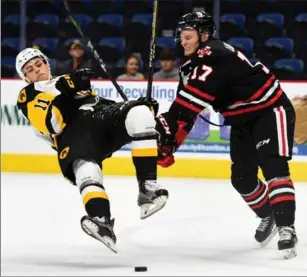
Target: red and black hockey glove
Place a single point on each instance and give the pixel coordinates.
(76, 84)
(172, 134)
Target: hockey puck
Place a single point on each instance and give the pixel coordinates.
(140, 268)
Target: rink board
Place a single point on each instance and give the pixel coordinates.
(183, 167)
(205, 154)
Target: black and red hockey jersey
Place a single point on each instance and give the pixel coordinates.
(221, 76)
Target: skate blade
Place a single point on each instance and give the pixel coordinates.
(149, 209)
(288, 253)
(91, 229)
(269, 238)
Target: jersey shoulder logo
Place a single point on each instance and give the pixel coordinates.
(22, 97)
(204, 51)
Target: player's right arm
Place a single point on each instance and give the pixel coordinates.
(41, 110)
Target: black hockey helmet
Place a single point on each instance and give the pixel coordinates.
(200, 21)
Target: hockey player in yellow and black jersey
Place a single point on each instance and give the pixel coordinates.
(85, 129)
(262, 119)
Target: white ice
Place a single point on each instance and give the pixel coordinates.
(205, 229)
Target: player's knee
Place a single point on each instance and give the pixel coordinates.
(87, 172)
(275, 167)
(244, 177)
(89, 181)
(140, 122)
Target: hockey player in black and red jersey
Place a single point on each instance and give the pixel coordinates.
(259, 112)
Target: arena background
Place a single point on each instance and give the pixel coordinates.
(272, 31)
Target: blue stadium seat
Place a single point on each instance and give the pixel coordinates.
(107, 25)
(112, 48)
(118, 43)
(47, 45)
(82, 19)
(267, 25)
(284, 44)
(8, 67)
(12, 19)
(8, 62)
(10, 46)
(276, 19)
(166, 42)
(112, 19)
(288, 68)
(232, 25)
(301, 17)
(49, 19)
(244, 44)
(237, 19)
(275, 49)
(144, 18)
(10, 27)
(297, 28)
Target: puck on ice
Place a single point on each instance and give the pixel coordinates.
(140, 268)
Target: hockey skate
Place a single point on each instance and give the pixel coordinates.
(287, 241)
(100, 229)
(152, 198)
(266, 230)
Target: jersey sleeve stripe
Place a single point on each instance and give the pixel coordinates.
(259, 92)
(200, 93)
(254, 108)
(268, 94)
(57, 120)
(188, 105)
(193, 99)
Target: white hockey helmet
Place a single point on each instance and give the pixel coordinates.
(25, 56)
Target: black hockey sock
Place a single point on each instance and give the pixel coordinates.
(145, 156)
(95, 200)
(258, 200)
(282, 199)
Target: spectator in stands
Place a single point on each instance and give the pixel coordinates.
(78, 59)
(168, 66)
(132, 67)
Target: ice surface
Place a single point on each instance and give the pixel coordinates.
(205, 229)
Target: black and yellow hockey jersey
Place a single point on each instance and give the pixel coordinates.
(47, 110)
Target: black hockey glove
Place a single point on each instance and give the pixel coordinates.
(76, 84)
(151, 103)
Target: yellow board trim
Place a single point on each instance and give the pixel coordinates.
(184, 167)
(144, 152)
(94, 194)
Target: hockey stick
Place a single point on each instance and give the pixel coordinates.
(94, 51)
(152, 49)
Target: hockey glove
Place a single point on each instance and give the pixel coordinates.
(151, 103)
(166, 129)
(172, 134)
(76, 84)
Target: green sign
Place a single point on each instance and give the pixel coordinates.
(10, 115)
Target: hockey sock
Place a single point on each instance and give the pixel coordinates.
(258, 200)
(145, 155)
(95, 200)
(282, 199)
